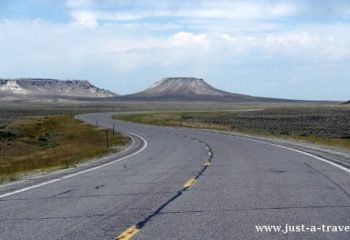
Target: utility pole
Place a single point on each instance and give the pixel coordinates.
(107, 142)
(96, 123)
(113, 130)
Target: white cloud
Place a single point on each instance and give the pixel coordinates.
(297, 45)
(114, 10)
(85, 18)
(292, 43)
(135, 48)
(235, 11)
(74, 51)
(186, 48)
(189, 40)
(113, 39)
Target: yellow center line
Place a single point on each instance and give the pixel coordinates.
(190, 183)
(128, 233)
(133, 230)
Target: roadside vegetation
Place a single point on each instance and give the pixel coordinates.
(321, 125)
(29, 144)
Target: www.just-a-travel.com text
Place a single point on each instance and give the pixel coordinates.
(287, 228)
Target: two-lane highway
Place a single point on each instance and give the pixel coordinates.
(184, 184)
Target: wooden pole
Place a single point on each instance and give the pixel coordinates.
(107, 142)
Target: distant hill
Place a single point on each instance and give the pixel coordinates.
(167, 89)
(29, 87)
(181, 87)
(186, 88)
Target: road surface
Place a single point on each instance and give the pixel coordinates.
(183, 184)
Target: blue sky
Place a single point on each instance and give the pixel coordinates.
(288, 48)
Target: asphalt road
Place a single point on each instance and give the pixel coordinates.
(182, 184)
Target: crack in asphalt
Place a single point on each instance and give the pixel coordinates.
(329, 179)
(85, 196)
(169, 212)
(253, 209)
(264, 188)
(59, 194)
(143, 222)
(69, 217)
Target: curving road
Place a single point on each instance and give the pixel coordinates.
(174, 183)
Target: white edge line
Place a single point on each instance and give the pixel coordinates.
(299, 151)
(81, 172)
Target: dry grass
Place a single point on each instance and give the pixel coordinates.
(51, 142)
(177, 119)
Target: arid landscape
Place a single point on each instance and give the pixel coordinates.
(39, 126)
(329, 125)
(174, 120)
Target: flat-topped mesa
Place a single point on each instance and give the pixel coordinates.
(182, 78)
(189, 89)
(51, 87)
(181, 87)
